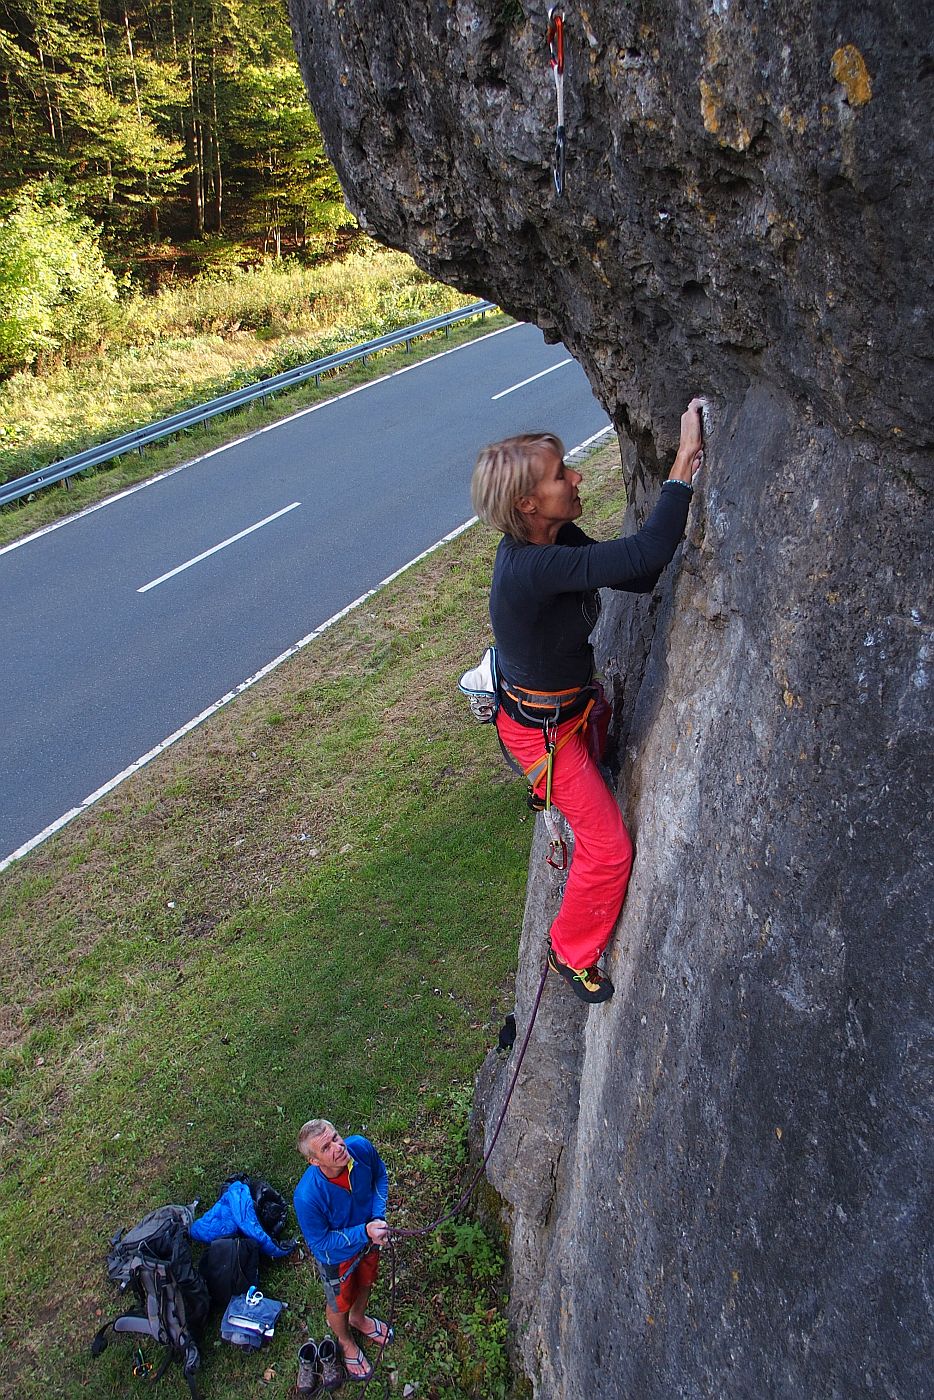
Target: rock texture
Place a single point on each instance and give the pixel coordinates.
(719, 1183)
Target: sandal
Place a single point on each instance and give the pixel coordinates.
(357, 1367)
(381, 1335)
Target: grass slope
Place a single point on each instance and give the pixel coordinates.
(310, 905)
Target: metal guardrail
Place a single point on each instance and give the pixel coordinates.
(191, 417)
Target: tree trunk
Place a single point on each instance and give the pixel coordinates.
(218, 173)
(10, 112)
(47, 96)
(719, 1183)
(193, 142)
(151, 216)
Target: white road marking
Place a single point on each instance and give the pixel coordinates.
(206, 554)
(252, 680)
(531, 380)
(582, 447)
(235, 442)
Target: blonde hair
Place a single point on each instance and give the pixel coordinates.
(505, 471)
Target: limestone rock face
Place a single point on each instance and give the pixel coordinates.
(718, 1184)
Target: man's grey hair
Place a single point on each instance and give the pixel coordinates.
(311, 1130)
(505, 471)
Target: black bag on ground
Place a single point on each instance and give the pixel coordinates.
(154, 1260)
(229, 1265)
(270, 1207)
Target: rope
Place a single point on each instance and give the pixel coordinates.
(422, 1230)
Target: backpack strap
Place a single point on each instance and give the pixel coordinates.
(99, 1340)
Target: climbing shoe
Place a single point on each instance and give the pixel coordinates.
(309, 1376)
(588, 983)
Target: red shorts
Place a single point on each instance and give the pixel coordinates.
(343, 1283)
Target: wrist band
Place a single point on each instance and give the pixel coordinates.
(673, 481)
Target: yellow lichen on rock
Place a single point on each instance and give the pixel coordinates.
(850, 71)
(734, 133)
(710, 109)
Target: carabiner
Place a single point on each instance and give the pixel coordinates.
(555, 38)
(557, 857)
(141, 1367)
(549, 737)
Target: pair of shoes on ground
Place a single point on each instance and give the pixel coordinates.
(588, 983)
(320, 1368)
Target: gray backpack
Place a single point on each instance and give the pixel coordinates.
(171, 1299)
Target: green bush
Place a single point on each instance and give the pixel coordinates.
(464, 1248)
(56, 291)
(199, 339)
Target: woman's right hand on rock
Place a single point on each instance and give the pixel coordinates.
(689, 457)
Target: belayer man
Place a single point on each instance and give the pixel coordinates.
(340, 1203)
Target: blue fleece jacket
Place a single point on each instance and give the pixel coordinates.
(333, 1220)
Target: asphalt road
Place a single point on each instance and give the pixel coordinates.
(111, 638)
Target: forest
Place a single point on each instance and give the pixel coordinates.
(140, 141)
(174, 119)
(170, 225)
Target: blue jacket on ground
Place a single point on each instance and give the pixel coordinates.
(333, 1220)
(235, 1214)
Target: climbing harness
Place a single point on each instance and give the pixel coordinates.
(484, 685)
(555, 40)
(422, 1230)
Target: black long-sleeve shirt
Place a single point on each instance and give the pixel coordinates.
(544, 601)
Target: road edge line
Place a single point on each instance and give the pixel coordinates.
(264, 671)
(236, 442)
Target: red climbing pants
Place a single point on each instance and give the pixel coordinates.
(602, 858)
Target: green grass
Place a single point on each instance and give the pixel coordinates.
(56, 502)
(188, 344)
(310, 905)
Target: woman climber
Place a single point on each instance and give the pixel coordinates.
(543, 605)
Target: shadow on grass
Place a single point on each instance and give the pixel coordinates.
(368, 1007)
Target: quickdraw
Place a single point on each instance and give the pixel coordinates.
(557, 857)
(555, 40)
(142, 1369)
